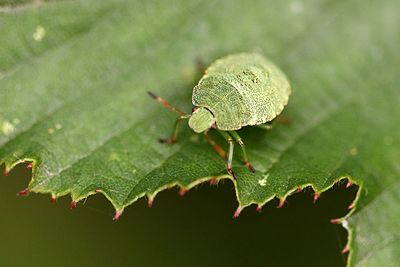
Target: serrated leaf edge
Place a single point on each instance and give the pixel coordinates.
(119, 209)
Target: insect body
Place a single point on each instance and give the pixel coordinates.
(235, 91)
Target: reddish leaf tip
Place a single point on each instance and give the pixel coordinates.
(150, 201)
(335, 221)
(213, 181)
(345, 250)
(316, 196)
(351, 206)
(97, 190)
(237, 212)
(117, 215)
(73, 205)
(299, 189)
(182, 192)
(5, 172)
(349, 183)
(281, 203)
(29, 166)
(259, 208)
(53, 199)
(24, 192)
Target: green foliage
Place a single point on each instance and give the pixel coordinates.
(74, 77)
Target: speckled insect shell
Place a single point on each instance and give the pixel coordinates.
(242, 89)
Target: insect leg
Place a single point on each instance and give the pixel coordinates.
(238, 139)
(265, 126)
(229, 139)
(281, 119)
(201, 67)
(166, 104)
(216, 147)
(172, 138)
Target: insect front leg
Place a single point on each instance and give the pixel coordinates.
(172, 138)
(166, 104)
(216, 147)
(281, 119)
(238, 139)
(229, 139)
(265, 126)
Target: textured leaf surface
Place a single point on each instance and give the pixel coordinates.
(74, 74)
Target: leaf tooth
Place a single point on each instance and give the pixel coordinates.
(182, 191)
(117, 215)
(259, 208)
(150, 200)
(281, 202)
(336, 221)
(237, 212)
(23, 192)
(73, 204)
(346, 249)
(316, 196)
(213, 181)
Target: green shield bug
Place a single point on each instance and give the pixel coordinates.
(235, 91)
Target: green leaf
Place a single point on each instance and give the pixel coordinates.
(73, 100)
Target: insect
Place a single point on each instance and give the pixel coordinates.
(235, 91)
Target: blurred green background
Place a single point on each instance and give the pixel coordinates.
(194, 230)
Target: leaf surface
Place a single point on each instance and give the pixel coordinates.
(74, 77)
